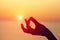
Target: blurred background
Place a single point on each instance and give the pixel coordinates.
(13, 13)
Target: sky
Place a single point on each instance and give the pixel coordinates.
(47, 10)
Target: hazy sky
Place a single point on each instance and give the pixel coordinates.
(42, 9)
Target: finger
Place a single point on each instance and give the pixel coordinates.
(24, 29)
(27, 21)
(33, 20)
(27, 24)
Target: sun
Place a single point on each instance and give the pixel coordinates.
(19, 17)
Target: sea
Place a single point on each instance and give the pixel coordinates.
(11, 30)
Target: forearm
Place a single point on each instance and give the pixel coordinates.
(51, 37)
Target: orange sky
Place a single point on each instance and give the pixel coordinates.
(44, 9)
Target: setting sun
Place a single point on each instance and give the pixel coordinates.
(19, 17)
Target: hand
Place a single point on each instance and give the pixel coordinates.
(39, 29)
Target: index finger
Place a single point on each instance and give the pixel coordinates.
(33, 20)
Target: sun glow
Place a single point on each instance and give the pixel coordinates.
(19, 17)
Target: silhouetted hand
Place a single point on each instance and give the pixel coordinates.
(39, 29)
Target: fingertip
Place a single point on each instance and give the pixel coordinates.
(25, 20)
(31, 17)
(33, 20)
(24, 29)
(21, 25)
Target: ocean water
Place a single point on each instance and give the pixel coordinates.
(11, 30)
